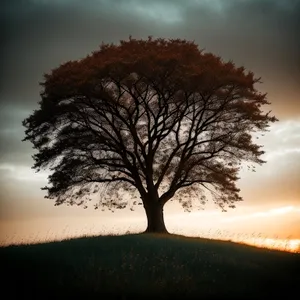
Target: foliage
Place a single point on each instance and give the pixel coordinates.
(157, 118)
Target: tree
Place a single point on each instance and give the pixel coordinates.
(155, 117)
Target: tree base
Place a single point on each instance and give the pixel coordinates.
(156, 231)
(155, 218)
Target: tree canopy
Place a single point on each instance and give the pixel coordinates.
(158, 118)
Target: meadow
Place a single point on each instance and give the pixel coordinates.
(160, 266)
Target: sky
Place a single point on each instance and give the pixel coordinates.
(262, 35)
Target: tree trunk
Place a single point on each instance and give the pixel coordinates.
(155, 218)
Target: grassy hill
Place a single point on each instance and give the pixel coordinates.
(163, 266)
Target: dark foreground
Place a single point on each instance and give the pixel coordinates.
(149, 266)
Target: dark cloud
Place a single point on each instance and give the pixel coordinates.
(260, 34)
(12, 149)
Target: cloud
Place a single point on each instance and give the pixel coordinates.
(282, 146)
(21, 174)
(263, 214)
(12, 150)
(277, 180)
(42, 34)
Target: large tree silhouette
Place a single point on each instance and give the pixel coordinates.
(157, 118)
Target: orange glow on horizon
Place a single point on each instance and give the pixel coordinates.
(289, 245)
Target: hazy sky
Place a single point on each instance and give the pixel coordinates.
(262, 35)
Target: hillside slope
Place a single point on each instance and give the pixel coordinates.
(151, 265)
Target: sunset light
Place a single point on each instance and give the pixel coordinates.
(150, 147)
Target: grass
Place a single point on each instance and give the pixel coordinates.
(148, 265)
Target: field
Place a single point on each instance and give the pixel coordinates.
(161, 266)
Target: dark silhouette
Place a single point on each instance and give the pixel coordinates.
(157, 117)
